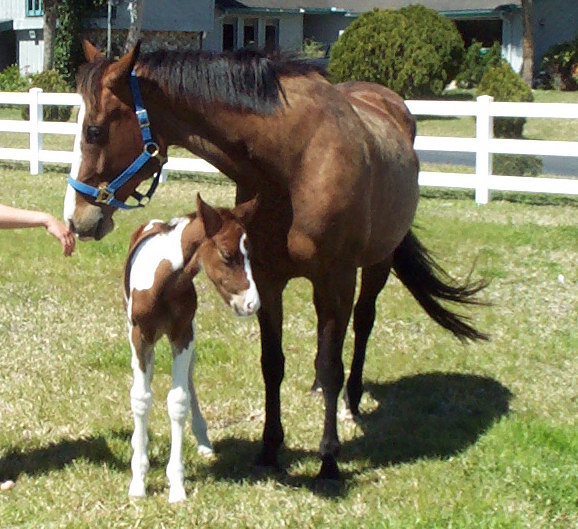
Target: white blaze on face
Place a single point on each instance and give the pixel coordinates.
(148, 256)
(246, 303)
(70, 195)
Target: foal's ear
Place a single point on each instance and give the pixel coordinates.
(209, 216)
(91, 52)
(245, 211)
(120, 70)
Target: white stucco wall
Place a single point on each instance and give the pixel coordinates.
(30, 50)
(512, 29)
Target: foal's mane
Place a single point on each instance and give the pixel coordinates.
(245, 80)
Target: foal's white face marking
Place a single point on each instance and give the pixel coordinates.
(161, 247)
(246, 303)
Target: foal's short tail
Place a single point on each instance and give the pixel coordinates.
(429, 283)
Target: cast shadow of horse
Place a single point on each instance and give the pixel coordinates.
(58, 455)
(430, 415)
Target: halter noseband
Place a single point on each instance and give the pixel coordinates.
(104, 194)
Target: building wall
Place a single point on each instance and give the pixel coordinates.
(512, 29)
(12, 9)
(290, 29)
(555, 21)
(150, 40)
(30, 49)
(325, 28)
(173, 15)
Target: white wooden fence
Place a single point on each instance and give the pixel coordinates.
(484, 145)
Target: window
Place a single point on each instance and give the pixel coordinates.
(229, 36)
(250, 31)
(271, 35)
(34, 8)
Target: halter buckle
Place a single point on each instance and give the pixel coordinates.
(104, 195)
(143, 118)
(153, 150)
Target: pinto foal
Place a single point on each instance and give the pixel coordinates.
(160, 299)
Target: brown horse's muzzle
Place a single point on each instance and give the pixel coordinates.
(90, 222)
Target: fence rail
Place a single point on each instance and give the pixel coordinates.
(484, 145)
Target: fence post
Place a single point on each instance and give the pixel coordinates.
(164, 175)
(484, 132)
(36, 115)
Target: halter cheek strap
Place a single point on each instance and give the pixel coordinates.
(104, 194)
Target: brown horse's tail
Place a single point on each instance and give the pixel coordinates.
(429, 284)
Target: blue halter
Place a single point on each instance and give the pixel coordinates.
(104, 194)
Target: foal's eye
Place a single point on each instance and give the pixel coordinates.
(226, 257)
(93, 133)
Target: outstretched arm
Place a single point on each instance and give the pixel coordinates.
(11, 217)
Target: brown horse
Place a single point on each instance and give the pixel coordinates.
(336, 173)
(160, 299)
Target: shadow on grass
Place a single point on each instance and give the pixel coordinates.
(56, 456)
(431, 415)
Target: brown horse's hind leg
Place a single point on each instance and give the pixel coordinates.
(333, 297)
(373, 279)
(273, 367)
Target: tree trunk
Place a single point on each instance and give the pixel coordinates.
(136, 8)
(49, 32)
(528, 43)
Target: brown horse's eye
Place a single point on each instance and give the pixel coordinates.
(93, 134)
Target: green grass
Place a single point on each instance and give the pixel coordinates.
(483, 435)
(535, 128)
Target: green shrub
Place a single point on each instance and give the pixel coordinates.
(560, 65)
(415, 51)
(516, 165)
(50, 81)
(503, 84)
(477, 60)
(11, 80)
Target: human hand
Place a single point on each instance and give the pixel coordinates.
(61, 232)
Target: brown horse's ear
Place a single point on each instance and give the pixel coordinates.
(209, 217)
(119, 71)
(245, 211)
(91, 52)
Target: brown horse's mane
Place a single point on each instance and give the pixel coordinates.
(245, 80)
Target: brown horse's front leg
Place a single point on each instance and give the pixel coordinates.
(273, 368)
(333, 298)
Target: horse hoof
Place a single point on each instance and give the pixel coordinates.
(177, 493)
(205, 451)
(137, 490)
(329, 469)
(267, 466)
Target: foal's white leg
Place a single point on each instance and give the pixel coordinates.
(178, 403)
(141, 399)
(204, 446)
